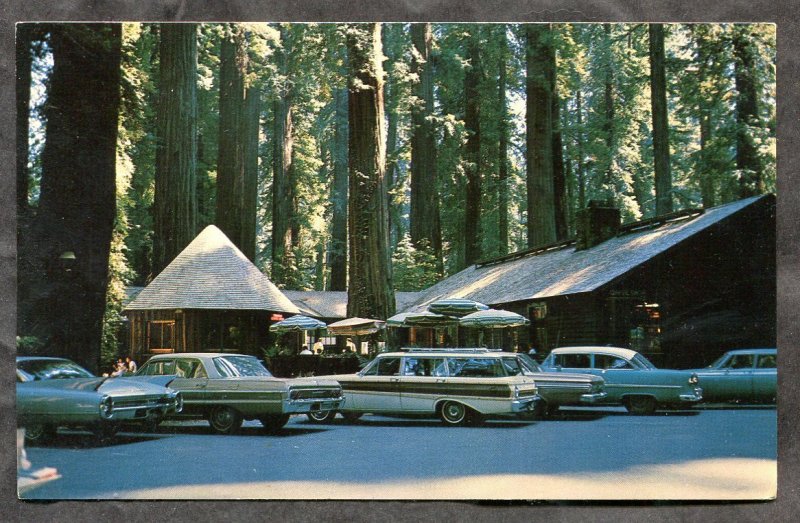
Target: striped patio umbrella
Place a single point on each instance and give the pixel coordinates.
(398, 320)
(428, 319)
(356, 327)
(493, 319)
(297, 323)
(456, 306)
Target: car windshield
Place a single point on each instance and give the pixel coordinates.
(52, 370)
(529, 363)
(642, 362)
(244, 366)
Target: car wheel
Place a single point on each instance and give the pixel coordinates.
(274, 422)
(640, 404)
(40, 434)
(224, 420)
(321, 416)
(453, 413)
(352, 417)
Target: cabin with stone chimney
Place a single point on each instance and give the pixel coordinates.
(681, 288)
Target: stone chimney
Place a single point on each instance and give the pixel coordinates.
(596, 223)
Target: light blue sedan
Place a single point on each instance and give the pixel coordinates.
(747, 375)
(631, 379)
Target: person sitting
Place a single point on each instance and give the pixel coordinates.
(318, 346)
(306, 351)
(131, 365)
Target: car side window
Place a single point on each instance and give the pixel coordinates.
(513, 367)
(573, 361)
(385, 367)
(739, 361)
(417, 366)
(606, 361)
(159, 368)
(189, 369)
(475, 367)
(767, 361)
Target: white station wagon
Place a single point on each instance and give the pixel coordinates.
(457, 385)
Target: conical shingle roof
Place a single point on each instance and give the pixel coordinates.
(212, 273)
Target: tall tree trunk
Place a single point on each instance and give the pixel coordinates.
(338, 250)
(748, 161)
(230, 165)
(391, 100)
(424, 220)
(283, 193)
(472, 123)
(175, 202)
(251, 132)
(539, 139)
(23, 54)
(559, 179)
(579, 137)
(71, 236)
(369, 293)
(608, 122)
(658, 97)
(502, 160)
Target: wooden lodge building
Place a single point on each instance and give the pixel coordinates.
(681, 288)
(211, 298)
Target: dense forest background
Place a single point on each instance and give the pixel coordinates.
(360, 157)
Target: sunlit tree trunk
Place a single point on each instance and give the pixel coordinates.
(472, 212)
(175, 202)
(369, 292)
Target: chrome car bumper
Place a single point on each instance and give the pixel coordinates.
(694, 397)
(302, 406)
(593, 397)
(128, 409)
(527, 404)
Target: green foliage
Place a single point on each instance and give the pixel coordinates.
(414, 269)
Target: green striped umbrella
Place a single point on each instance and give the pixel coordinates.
(297, 323)
(429, 319)
(456, 306)
(493, 319)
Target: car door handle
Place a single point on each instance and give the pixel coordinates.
(440, 380)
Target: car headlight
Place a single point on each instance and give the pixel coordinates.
(178, 402)
(107, 407)
(694, 380)
(516, 391)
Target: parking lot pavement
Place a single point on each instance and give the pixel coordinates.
(724, 454)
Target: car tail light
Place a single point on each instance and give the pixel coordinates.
(107, 407)
(694, 380)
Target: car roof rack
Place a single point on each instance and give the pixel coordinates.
(464, 350)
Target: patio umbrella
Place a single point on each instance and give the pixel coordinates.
(297, 323)
(493, 319)
(356, 327)
(398, 320)
(428, 319)
(456, 306)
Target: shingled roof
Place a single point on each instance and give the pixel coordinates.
(563, 270)
(212, 273)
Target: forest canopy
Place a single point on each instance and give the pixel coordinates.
(371, 158)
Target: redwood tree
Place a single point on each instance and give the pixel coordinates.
(472, 123)
(539, 139)
(658, 97)
(68, 250)
(175, 202)
(369, 292)
(425, 226)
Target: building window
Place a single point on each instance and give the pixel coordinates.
(160, 336)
